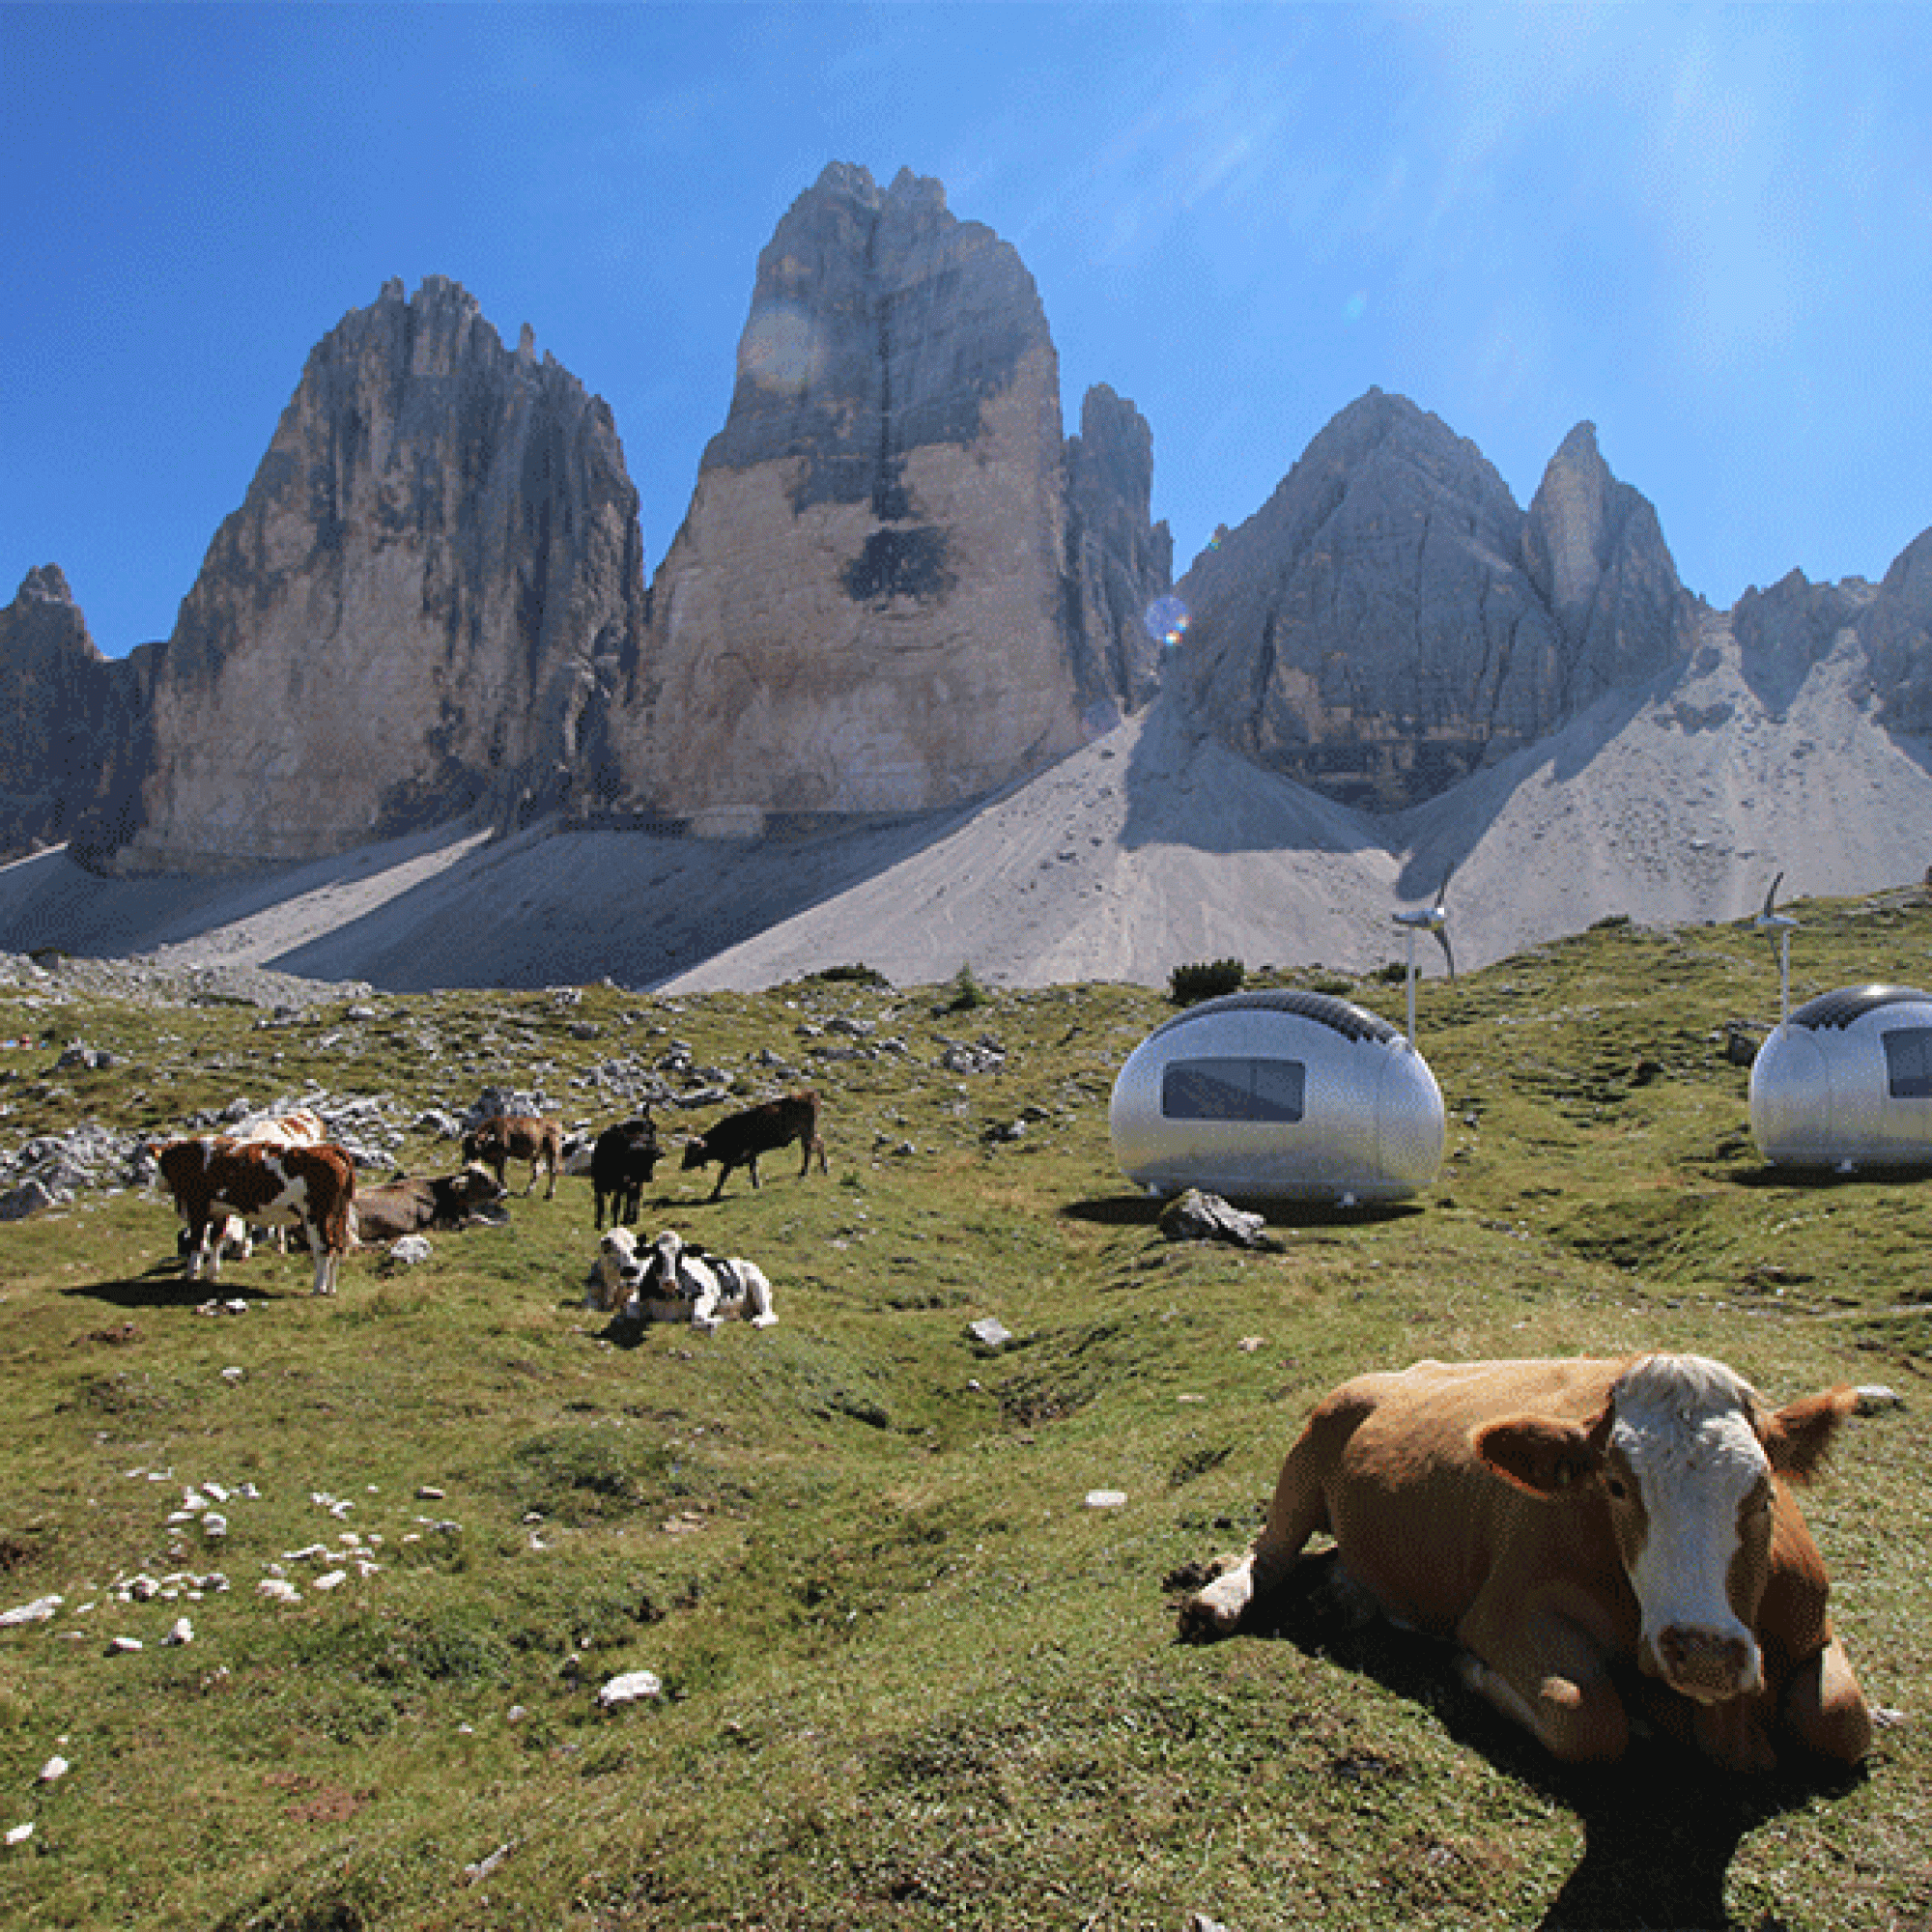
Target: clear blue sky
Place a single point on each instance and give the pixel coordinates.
(1708, 231)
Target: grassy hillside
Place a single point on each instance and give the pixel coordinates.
(910, 1678)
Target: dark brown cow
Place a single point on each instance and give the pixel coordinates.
(1557, 1518)
(407, 1207)
(313, 1187)
(622, 1164)
(739, 1139)
(507, 1137)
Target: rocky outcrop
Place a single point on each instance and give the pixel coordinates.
(883, 598)
(1596, 555)
(1896, 632)
(70, 724)
(1390, 619)
(430, 599)
(1119, 561)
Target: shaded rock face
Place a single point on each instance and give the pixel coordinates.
(428, 601)
(70, 724)
(1896, 632)
(1390, 619)
(882, 598)
(1119, 561)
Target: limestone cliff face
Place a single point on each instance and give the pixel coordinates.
(427, 601)
(1896, 632)
(70, 724)
(881, 598)
(1120, 560)
(1390, 619)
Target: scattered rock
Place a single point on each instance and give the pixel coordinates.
(1197, 1216)
(1876, 1397)
(989, 1333)
(630, 1688)
(410, 1251)
(40, 1611)
(1106, 1499)
(54, 1770)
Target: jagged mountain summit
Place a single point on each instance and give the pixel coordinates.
(429, 600)
(70, 721)
(1390, 620)
(897, 587)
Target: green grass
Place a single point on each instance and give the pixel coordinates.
(911, 1680)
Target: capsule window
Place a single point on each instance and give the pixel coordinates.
(1908, 1063)
(1233, 1090)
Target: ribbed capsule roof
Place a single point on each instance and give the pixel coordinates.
(1847, 1004)
(1343, 1016)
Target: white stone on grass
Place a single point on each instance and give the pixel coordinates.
(630, 1688)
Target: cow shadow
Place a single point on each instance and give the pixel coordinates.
(162, 1285)
(1661, 1829)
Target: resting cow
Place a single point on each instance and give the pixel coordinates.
(622, 1164)
(407, 1207)
(670, 1282)
(1559, 1517)
(311, 1186)
(506, 1137)
(739, 1139)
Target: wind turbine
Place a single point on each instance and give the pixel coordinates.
(1426, 919)
(1773, 922)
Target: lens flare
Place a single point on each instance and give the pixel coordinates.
(1166, 619)
(780, 350)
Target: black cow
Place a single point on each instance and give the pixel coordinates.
(739, 1139)
(624, 1159)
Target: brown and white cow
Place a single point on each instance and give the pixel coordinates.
(213, 1179)
(303, 1127)
(739, 1139)
(506, 1137)
(1558, 1517)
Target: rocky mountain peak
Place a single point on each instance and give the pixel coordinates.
(70, 721)
(45, 583)
(1391, 619)
(429, 599)
(878, 601)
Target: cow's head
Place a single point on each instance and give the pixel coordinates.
(1687, 1461)
(660, 1266)
(696, 1152)
(616, 1271)
(475, 1186)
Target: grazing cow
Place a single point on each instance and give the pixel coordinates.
(739, 1139)
(407, 1207)
(210, 1181)
(624, 1160)
(670, 1282)
(507, 1137)
(1560, 1518)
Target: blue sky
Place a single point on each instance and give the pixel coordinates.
(1709, 231)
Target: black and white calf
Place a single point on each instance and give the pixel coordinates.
(667, 1281)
